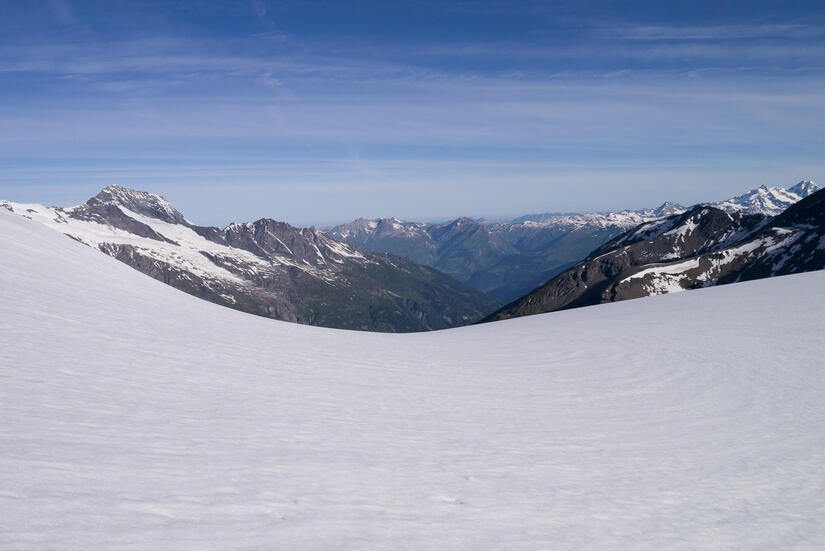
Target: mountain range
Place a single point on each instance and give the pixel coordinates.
(767, 200)
(508, 259)
(390, 275)
(704, 246)
(266, 267)
(503, 259)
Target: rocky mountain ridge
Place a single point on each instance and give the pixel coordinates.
(270, 268)
(266, 267)
(767, 200)
(703, 247)
(509, 259)
(504, 259)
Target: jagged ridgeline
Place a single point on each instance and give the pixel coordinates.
(503, 259)
(534, 262)
(267, 267)
(702, 247)
(509, 259)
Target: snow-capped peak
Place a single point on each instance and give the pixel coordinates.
(141, 202)
(667, 208)
(768, 200)
(804, 188)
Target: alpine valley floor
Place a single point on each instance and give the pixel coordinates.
(134, 416)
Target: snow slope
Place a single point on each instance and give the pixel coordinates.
(134, 416)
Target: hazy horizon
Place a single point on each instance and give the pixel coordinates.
(322, 112)
(330, 223)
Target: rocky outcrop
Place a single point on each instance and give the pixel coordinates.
(702, 247)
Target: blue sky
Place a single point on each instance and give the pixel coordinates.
(318, 112)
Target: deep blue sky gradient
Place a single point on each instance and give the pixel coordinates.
(319, 112)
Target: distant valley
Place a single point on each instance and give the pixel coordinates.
(509, 259)
(396, 276)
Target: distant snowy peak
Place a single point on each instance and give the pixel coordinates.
(140, 202)
(768, 200)
(362, 229)
(804, 188)
(378, 227)
(666, 209)
(764, 200)
(622, 219)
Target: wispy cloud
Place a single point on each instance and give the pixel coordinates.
(271, 108)
(785, 31)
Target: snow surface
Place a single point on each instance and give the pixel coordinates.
(666, 279)
(134, 416)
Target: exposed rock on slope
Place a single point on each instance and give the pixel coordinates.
(267, 267)
(509, 259)
(504, 259)
(702, 247)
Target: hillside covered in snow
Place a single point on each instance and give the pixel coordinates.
(265, 267)
(134, 416)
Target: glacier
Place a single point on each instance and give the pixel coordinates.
(134, 416)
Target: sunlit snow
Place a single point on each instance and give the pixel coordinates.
(133, 416)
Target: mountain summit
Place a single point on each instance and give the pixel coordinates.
(804, 188)
(768, 200)
(140, 202)
(266, 267)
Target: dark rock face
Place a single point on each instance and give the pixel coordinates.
(698, 230)
(702, 247)
(111, 214)
(272, 269)
(791, 243)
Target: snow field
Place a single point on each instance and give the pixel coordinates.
(133, 416)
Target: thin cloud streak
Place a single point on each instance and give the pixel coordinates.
(545, 115)
(713, 32)
(388, 118)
